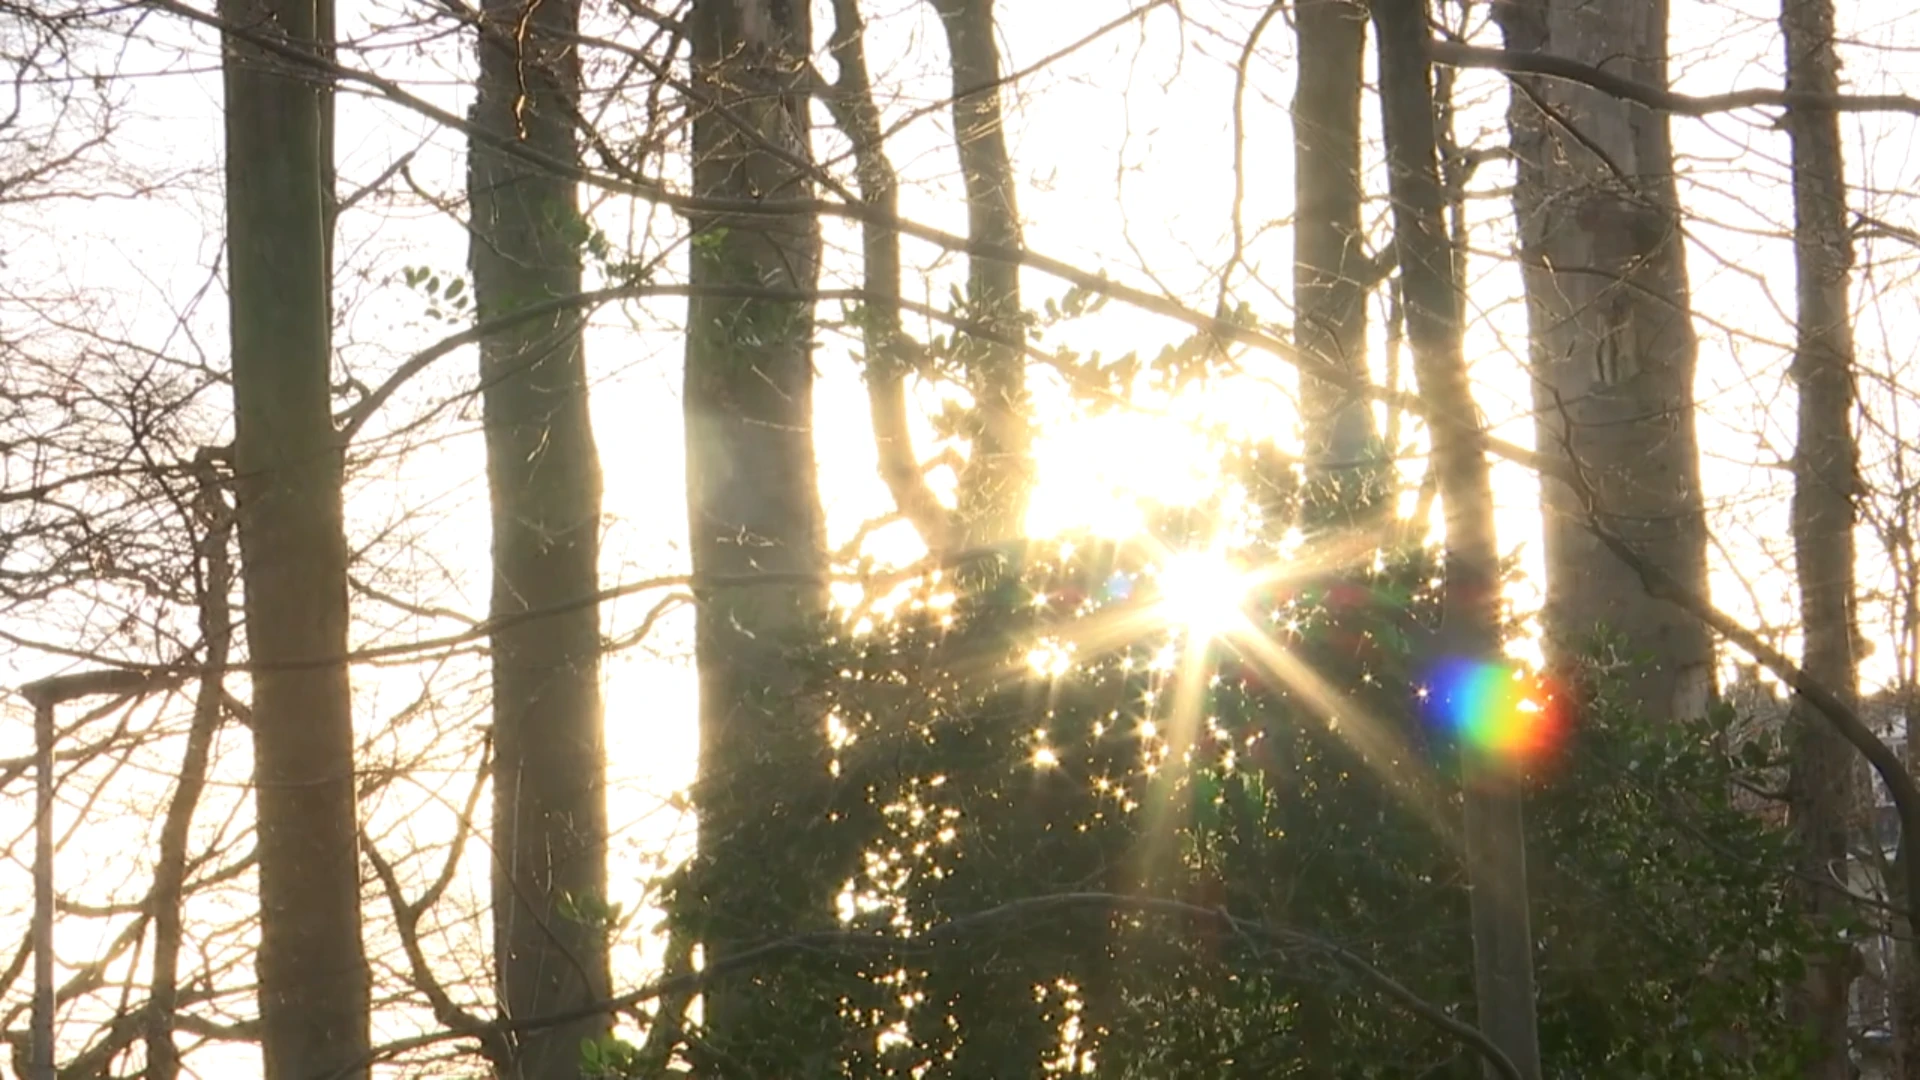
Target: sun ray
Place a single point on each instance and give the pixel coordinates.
(1201, 599)
(1391, 757)
(1184, 719)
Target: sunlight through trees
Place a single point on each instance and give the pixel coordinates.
(563, 539)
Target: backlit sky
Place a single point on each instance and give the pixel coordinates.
(1124, 152)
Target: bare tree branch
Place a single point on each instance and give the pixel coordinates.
(1660, 98)
(1270, 941)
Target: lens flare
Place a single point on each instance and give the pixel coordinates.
(1500, 712)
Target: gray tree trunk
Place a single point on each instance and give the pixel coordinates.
(1332, 276)
(213, 595)
(1822, 786)
(288, 464)
(999, 473)
(1613, 348)
(889, 359)
(1495, 837)
(753, 510)
(1905, 975)
(543, 477)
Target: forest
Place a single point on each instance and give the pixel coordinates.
(764, 539)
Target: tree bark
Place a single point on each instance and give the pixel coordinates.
(1495, 837)
(1822, 786)
(889, 357)
(1331, 270)
(543, 477)
(1613, 348)
(999, 474)
(214, 587)
(288, 462)
(1905, 974)
(753, 509)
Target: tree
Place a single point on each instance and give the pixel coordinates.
(550, 903)
(313, 975)
(1234, 852)
(994, 484)
(1494, 833)
(1332, 275)
(1822, 790)
(214, 585)
(988, 784)
(1611, 343)
(756, 531)
(1889, 614)
(890, 354)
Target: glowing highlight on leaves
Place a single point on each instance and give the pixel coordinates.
(1495, 710)
(1051, 659)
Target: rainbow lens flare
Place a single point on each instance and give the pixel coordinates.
(1502, 713)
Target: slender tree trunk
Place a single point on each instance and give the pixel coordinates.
(753, 509)
(215, 588)
(1495, 838)
(1905, 974)
(999, 473)
(288, 463)
(1612, 343)
(543, 476)
(1331, 272)
(1822, 790)
(1904, 968)
(889, 358)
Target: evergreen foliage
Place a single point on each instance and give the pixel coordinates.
(1018, 734)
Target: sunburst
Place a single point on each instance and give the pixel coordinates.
(1203, 593)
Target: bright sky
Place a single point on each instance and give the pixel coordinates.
(1124, 151)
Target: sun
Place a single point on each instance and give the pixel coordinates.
(1202, 592)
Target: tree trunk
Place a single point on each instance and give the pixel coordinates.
(1495, 838)
(1612, 343)
(999, 473)
(1331, 272)
(889, 358)
(288, 464)
(543, 477)
(753, 509)
(1905, 965)
(213, 596)
(1822, 798)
